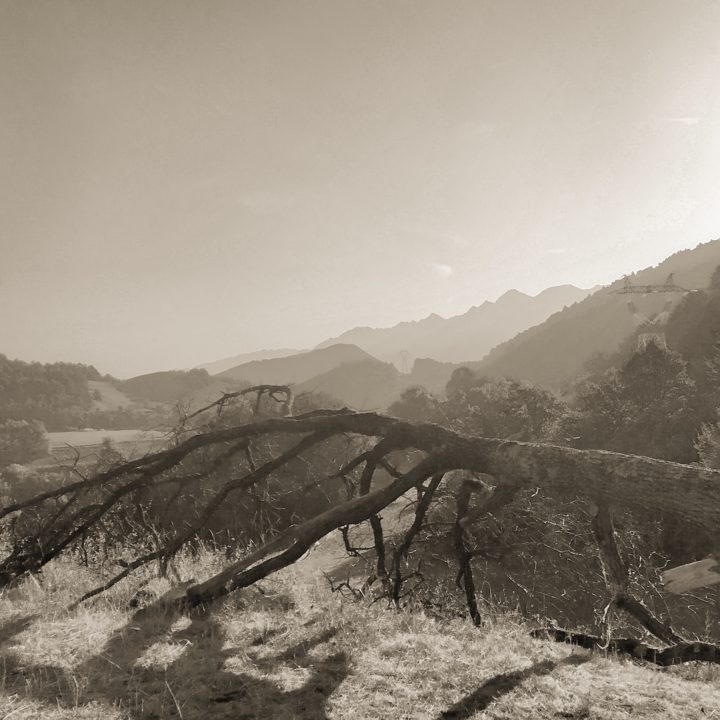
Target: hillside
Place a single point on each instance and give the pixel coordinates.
(165, 386)
(463, 337)
(56, 394)
(296, 368)
(365, 385)
(218, 366)
(554, 352)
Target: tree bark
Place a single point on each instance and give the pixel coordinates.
(291, 545)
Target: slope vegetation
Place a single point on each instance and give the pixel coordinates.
(555, 352)
(165, 386)
(365, 385)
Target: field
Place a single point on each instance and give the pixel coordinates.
(108, 397)
(290, 648)
(65, 447)
(91, 437)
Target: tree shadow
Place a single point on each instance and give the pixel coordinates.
(500, 685)
(152, 668)
(15, 626)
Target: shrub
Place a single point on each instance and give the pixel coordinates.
(22, 441)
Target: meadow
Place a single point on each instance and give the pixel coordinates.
(289, 647)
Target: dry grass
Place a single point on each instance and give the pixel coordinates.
(295, 650)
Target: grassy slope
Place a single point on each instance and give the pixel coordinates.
(295, 650)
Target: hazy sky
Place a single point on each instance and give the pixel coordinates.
(181, 181)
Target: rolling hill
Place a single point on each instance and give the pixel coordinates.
(365, 385)
(463, 337)
(218, 366)
(166, 386)
(296, 368)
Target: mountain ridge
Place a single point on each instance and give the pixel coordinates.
(554, 352)
(465, 337)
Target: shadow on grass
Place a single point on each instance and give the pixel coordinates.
(11, 628)
(500, 685)
(151, 669)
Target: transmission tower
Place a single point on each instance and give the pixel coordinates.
(652, 324)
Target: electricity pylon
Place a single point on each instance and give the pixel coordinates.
(652, 325)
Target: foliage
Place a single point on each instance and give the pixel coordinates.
(694, 331)
(644, 408)
(56, 394)
(503, 408)
(416, 403)
(490, 407)
(708, 445)
(22, 441)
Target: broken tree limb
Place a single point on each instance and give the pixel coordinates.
(401, 551)
(676, 654)
(293, 543)
(271, 390)
(563, 474)
(244, 482)
(463, 554)
(617, 579)
(371, 464)
(627, 480)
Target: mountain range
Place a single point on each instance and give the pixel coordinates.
(549, 340)
(362, 367)
(469, 336)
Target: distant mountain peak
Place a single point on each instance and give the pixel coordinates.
(468, 336)
(511, 294)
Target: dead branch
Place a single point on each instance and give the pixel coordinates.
(617, 579)
(292, 544)
(272, 391)
(464, 556)
(401, 551)
(561, 474)
(676, 654)
(242, 483)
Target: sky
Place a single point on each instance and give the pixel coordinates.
(185, 180)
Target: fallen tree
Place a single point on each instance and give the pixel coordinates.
(410, 456)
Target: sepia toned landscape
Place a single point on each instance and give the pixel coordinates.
(359, 359)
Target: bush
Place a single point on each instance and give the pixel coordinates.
(22, 441)
(708, 445)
